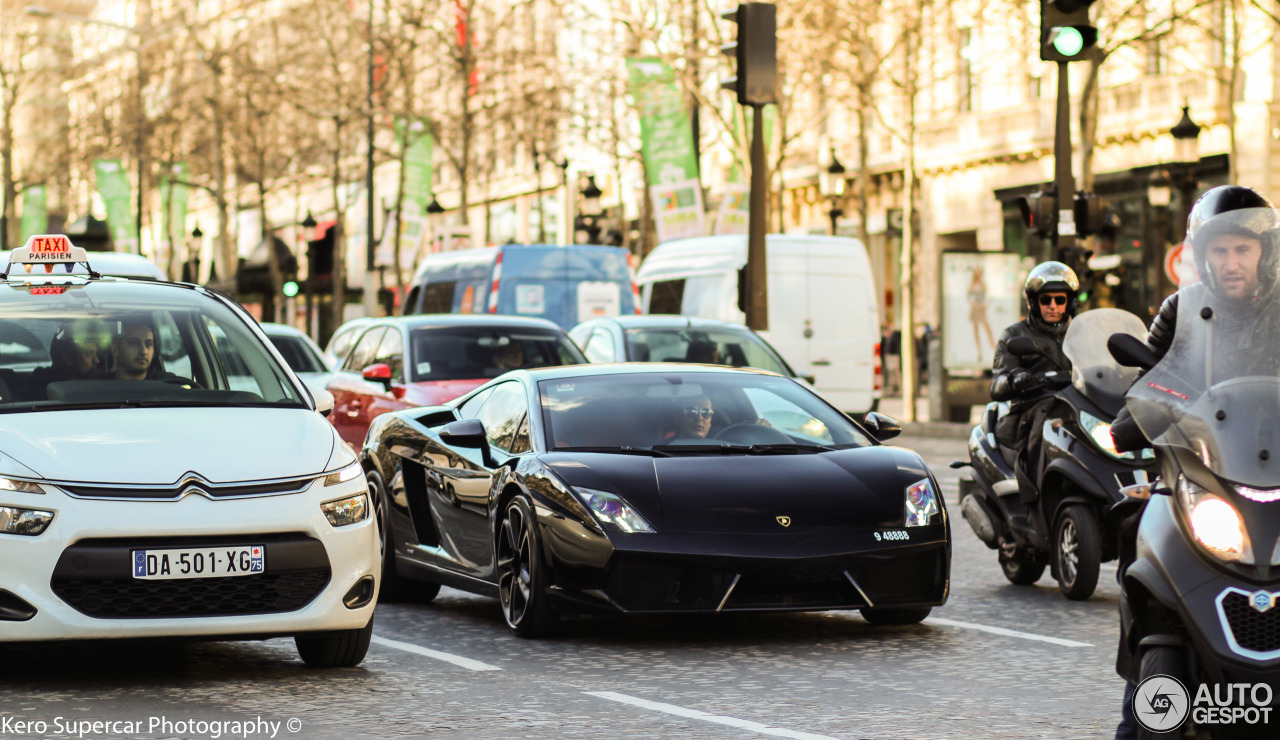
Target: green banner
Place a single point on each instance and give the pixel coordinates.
(35, 216)
(666, 136)
(113, 185)
(174, 195)
(416, 141)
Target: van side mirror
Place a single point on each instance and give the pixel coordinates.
(1130, 351)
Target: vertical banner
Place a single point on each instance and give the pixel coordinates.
(174, 194)
(667, 144)
(417, 144)
(113, 185)
(35, 215)
(735, 209)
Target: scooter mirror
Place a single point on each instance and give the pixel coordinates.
(1022, 346)
(1130, 351)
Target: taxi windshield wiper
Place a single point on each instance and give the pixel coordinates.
(55, 406)
(649, 451)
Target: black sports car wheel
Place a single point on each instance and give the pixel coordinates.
(522, 575)
(395, 588)
(337, 649)
(905, 615)
(1078, 549)
(1021, 570)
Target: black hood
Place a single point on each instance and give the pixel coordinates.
(862, 488)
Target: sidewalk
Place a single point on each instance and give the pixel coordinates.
(923, 426)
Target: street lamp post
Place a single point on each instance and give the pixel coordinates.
(370, 289)
(433, 210)
(1186, 142)
(833, 188)
(589, 219)
(309, 229)
(566, 223)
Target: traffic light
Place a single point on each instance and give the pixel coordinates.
(1066, 33)
(320, 254)
(290, 288)
(1039, 212)
(756, 52)
(1091, 214)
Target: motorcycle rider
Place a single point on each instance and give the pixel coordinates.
(1051, 291)
(1237, 256)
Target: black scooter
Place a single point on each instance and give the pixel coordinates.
(1069, 527)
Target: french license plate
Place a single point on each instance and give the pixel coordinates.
(202, 562)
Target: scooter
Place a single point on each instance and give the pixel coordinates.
(1201, 601)
(1069, 527)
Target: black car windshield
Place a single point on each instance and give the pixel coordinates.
(718, 346)
(470, 353)
(128, 344)
(702, 411)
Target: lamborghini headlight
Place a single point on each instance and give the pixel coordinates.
(610, 510)
(21, 486)
(922, 503)
(1215, 523)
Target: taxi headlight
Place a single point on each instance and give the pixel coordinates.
(922, 503)
(1215, 523)
(21, 486)
(610, 510)
(347, 510)
(14, 520)
(338, 477)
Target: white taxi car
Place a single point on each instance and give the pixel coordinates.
(142, 495)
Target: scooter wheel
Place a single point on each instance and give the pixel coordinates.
(1163, 660)
(1021, 571)
(1077, 547)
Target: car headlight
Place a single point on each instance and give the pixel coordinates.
(21, 486)
(922, 503)
(1215, 523)
(610, 510)
(351, 472)
(14, 520)
(347, 510)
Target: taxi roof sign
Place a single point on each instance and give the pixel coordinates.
(48, 250)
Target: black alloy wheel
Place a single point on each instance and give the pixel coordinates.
(1021, 570)
(395, 588)
(522, 576)
(1077, 547)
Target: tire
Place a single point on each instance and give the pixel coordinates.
(1021, 571)
(1167, 661)
(522, 576)
(395, 588)
(1077, 549)
(907, 615)
(337, 649)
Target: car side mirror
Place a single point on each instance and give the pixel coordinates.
(810, 379)
(1022, 346)
(322, 398)
(379, 373)
(1130, 351)
(467, 433)
(882, 427)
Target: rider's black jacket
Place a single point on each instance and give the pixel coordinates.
(1050, 357)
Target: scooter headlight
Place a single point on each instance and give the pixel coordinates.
(1215, 523)
(922, 503)
(1100, 432)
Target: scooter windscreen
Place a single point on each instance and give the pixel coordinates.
(1217, 390)
(1094, 372)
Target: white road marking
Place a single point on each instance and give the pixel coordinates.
(458, 660)
(707, 717)
(1005, 632)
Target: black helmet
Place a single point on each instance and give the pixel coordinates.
(1255, 218)
(1051, 276)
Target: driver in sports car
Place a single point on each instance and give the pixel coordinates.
(693, 420)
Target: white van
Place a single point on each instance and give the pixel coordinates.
(822, 303)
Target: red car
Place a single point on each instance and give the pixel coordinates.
(406, 361)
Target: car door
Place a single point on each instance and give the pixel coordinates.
(461, 500)
(350, 390)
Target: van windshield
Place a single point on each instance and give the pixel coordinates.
(735, 347)
(485, 352)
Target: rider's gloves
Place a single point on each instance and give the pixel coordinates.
(1021, 379)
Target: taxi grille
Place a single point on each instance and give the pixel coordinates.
(192, 597)
(1252, 629)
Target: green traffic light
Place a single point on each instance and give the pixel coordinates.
(1068, 41)
(290, 289)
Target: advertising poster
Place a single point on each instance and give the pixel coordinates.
(417, 144)
(735, 210)
(667, 145)
(35, 216)
(113, 185)
(981, 295)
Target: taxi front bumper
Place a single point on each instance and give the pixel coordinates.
(76, 574)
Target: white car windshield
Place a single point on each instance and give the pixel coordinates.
(736, 347)
(726, 410)
(126, 344)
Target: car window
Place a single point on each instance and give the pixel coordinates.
(601, 347)
(521, 442)
(502, 413)
(471, 408)
(298, 354)
(365, 350)
(135, 344)
(391, 353)
(466, 353)
(714, 346)
(343, 341)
